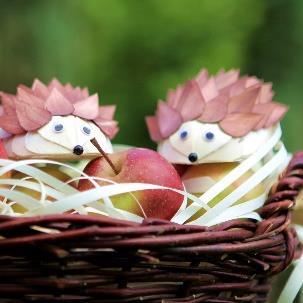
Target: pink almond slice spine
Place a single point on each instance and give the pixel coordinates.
(192, 103)
(87, 108)
(107, 112)
(57, 104)
(10, 124)
(244, 102)
(153, 128)
(30, 117)
(215, 110)
(169, 119)
(239, 124)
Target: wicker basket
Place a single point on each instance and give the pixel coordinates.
(75, 258)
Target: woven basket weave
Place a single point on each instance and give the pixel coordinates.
(75, 258)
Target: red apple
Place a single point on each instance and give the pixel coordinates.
(139, 165)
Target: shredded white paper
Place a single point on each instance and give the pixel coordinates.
(56, 196)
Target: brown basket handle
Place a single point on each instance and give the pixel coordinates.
(284, 192)
(276, 210)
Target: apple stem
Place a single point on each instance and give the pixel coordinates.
(103, 153)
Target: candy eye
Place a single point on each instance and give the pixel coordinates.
(86, 130)
(58, 128)
(184, 134)
(209, 136)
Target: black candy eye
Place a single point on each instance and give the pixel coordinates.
(86, 130)
(58, 128)
(209, 136)
(184, 134)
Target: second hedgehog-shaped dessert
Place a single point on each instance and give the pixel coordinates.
(224, 131)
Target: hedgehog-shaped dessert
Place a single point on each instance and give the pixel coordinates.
(55, 121)
(223, 118)
(222, 133)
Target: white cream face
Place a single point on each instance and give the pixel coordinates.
(192, 142)
(196, 143)
(69, 131)
(59, 138)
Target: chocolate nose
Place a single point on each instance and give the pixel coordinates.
(192, 157)
(78, 150)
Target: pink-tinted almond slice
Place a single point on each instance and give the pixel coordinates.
(168, 118)
(153, 128)
(87, 108)
(58, 105)
(239, 124)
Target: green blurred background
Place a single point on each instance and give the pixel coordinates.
(132, 51)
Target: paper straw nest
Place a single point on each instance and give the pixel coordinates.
(56, 196)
